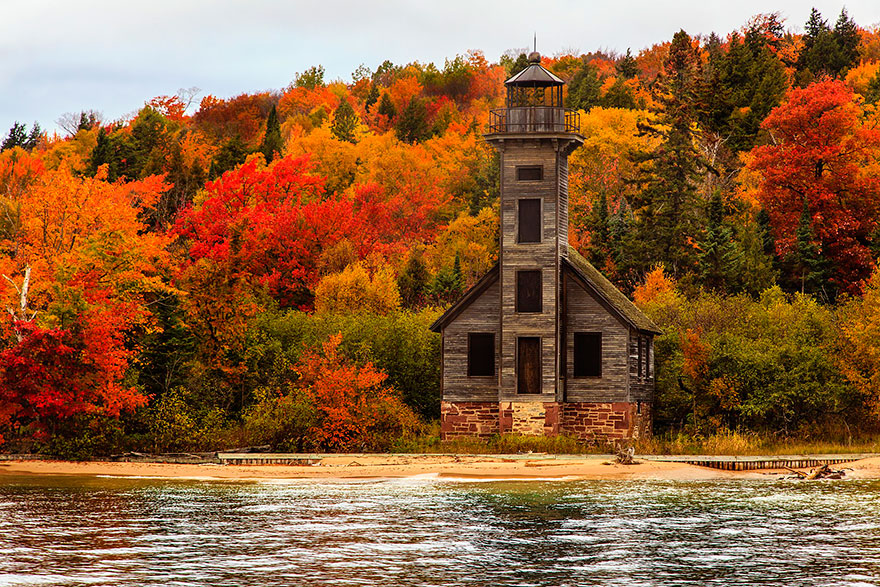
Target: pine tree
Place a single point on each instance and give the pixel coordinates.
(808, 267)
(627, 67)
(718, 255)
(413, 126)
(345, 122)
(600, 234)
(666, 207)
(846, 33)
(272, 143)
(232, 154)
(17, 136)
(413, 281)
(386, 107)
(521, 62)
(583, 90)
(372, 97)
(34, 137)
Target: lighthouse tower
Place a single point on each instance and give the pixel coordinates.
(544, 343)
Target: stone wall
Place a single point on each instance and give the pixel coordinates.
(459, 419)
(606, 421)
(583, 420)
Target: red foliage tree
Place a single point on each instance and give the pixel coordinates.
(823, 155)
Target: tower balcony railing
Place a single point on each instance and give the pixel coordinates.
(534, 119)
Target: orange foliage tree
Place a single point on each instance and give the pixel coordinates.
(823, 162)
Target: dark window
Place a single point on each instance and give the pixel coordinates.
(481, 355)
(530, 173)
(530, 220)
(528, 364)
(528, 291)
(587, 354)
(648, 362)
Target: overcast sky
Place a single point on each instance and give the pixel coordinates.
(61, 56)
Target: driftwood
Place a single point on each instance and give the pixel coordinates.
(625, 456)
(820, 472)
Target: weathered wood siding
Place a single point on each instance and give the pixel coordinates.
(641, 387)
(516, 256)
(480, 316)
(586, 314)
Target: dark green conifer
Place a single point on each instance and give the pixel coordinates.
(627, 66)
(272, 144)
(413, 126)
(17, 136)
(386, 107)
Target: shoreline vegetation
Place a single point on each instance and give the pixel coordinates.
(344, 467)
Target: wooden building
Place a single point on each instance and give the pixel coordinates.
(543, 343)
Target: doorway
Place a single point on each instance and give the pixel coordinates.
(528, 364)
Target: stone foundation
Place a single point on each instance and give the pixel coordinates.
(459, 419)
(529, 418)
(606, 421)
(582, 420)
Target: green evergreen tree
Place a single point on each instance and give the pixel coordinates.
(448, 283)
(413, 126)
(600, 231)
(666, 208)
(17, 136)
(272, 143)
(386, 107)
(627, 67)
(34, 137)
(808, 268)
(372, 97)
(846, 33)
(520, 63)
(413, 281)
(719, 257)
(232, 154)
(583, 90)
(345, 122)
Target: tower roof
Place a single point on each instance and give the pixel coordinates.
(535, 75)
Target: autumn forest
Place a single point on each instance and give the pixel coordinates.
(262, 269)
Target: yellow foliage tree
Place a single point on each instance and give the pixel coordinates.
(858, 353)
(473, 238)
(358, 290)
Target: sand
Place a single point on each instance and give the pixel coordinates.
(344, 467)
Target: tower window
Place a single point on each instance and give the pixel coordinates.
(528, 291)
(481, 354)
(530, 220)
(587, 354)
(530, 173)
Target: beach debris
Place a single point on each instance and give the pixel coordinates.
(625, 456)
(820, 472)
(354, 464)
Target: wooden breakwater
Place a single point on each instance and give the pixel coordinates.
(235, 458)
(751, 463)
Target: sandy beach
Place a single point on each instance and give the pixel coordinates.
(344, 467)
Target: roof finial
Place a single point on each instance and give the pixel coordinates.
(536, 42)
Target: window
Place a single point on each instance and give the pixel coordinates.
(528, 291)
(530, 173)
(587, 354)
(481, 355)
(530, 220)
(648, 363)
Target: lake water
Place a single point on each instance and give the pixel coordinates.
(94, 531)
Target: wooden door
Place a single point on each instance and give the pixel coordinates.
(528, 364)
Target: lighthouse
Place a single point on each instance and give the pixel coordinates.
(543, 344)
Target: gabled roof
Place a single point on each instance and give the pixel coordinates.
(470, 295)
(534, 75)
(608, 293)
(611, 297)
